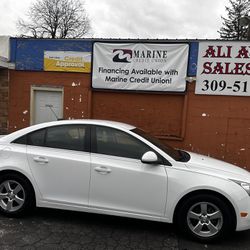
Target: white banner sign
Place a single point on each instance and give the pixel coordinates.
(137, 66)
(223, 68)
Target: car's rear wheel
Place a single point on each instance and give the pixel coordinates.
(16, 195)
(205, 217)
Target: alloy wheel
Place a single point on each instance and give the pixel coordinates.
(12, 195)
(204, 219)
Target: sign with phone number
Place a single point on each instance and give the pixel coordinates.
(223, 68)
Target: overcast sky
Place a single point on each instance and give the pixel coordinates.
(136, 18)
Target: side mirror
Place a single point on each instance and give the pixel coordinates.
(150, 157)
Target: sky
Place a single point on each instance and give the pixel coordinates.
(163, 19)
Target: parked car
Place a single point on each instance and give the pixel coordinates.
(114, 168)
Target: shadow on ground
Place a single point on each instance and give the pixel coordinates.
(236, 241)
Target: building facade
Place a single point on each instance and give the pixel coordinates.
(215, 125)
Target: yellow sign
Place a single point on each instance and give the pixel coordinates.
(67, 61)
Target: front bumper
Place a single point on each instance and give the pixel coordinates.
(243, 223)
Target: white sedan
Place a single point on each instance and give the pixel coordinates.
(115, 168)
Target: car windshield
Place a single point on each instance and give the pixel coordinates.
(174, 153)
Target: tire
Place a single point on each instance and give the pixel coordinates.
(205, 218)
(16, 195)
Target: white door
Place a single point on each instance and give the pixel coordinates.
(47, 106)
(120, 181)
(59, 164)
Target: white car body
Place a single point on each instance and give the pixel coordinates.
(74, 180)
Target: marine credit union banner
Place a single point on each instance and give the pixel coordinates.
(68, 61)
(140, 66)
(223, 68)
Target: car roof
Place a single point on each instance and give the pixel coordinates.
(113, 124)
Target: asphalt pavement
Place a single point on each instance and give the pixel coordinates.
(58, 229)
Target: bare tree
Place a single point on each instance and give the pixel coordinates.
(56, 19)
(231, 28)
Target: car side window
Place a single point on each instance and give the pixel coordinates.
(21, 140)
(70, 137)
(114, 142)
(36, 138)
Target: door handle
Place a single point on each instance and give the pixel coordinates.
(103, 170)
(40, 159)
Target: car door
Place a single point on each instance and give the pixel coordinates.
(59, 159)
(119, 180)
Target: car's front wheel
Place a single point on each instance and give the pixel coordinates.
(16, 195)
(205, 217)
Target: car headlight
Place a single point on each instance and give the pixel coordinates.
(244, 185)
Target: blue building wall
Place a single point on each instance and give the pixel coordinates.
(27, 54)
(192, 59)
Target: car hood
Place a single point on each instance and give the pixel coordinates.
(211, 166)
